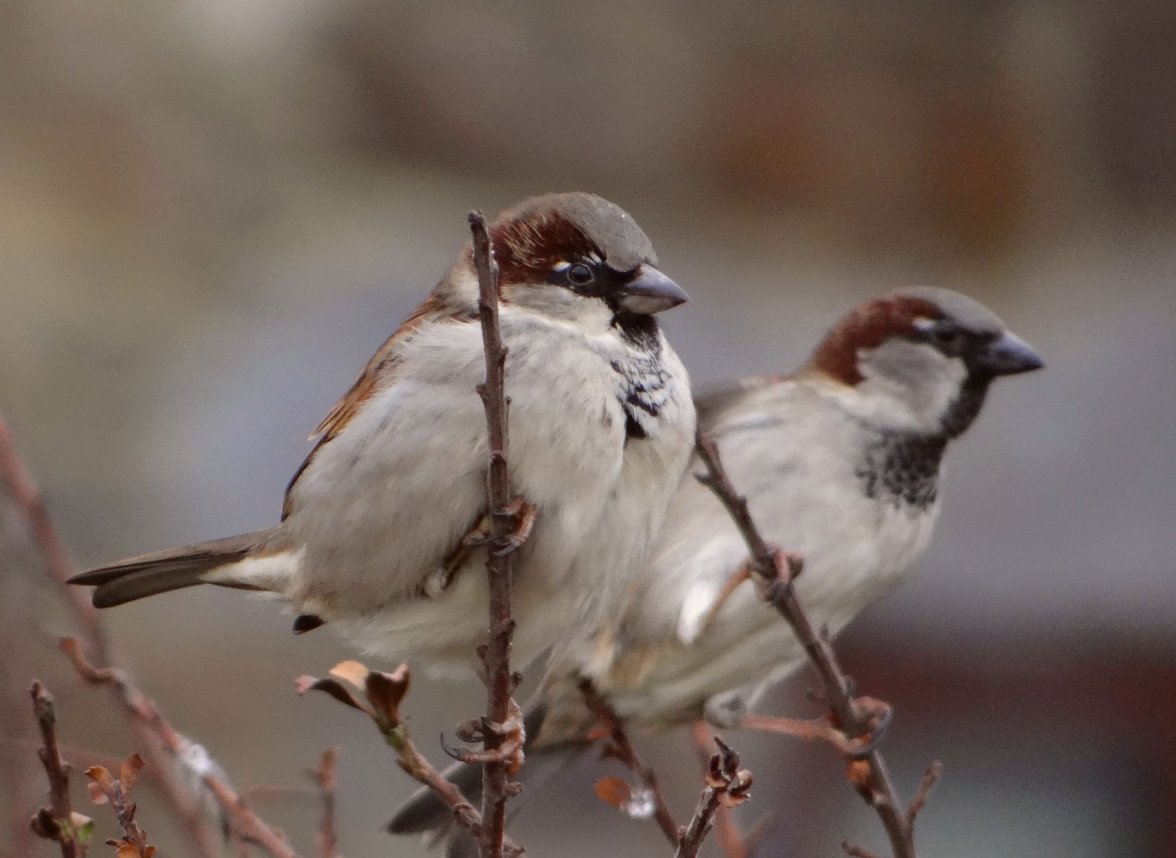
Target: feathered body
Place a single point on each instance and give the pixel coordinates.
(371, 539)
(839, 462)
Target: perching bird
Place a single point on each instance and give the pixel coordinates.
(375, 535)
(840, 462)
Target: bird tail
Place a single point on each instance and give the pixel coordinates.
(173, 569)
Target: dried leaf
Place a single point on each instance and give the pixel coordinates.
(613, 791)
(385, 691)
(101, 784)
(350, 671)
(129, 773)
(123, 849)
(334, 688)
(101, 776)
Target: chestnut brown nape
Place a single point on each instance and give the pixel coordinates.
(865, 327)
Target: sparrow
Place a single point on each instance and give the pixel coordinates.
(379, 528)
(839, 462)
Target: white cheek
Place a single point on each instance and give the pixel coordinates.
(589, 315)
(908, 386)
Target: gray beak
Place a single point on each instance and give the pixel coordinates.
(1009, 355)
(650, 292)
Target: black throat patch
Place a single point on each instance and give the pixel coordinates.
(643, 376)
(903, 469)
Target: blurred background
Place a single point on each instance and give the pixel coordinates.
(212, 212)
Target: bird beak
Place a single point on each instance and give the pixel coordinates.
(650, 292)
(1009, 355)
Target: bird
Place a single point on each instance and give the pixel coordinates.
(379, 528)
(840, 462)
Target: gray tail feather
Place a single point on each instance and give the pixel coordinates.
(149, 574)
(425, 814)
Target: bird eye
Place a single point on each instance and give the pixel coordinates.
(580, 274)
(946, 336)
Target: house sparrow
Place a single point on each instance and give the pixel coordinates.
(839, 462)
(378, 529)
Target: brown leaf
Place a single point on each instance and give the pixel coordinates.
(129, 773)
(123, 849)
(350, 671)
(101, 784)
(385, 691)
(334, 688)
(613, 791)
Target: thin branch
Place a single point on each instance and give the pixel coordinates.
(930, 778)
(733, 842)
(622, 748)
(500, 681)
(727, 785)
(142, 712)
(104, 787)
(383, 693)
(324, 779)
(775, 571)
(55, 822)
(31, 504)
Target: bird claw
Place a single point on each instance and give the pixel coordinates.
(877, 716)
(480, 535)
(511, 732)
(524, 515)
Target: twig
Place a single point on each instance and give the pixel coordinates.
(500, 681)
(930, 778)
(383, 694)
(775, 572)
(143, 712)
(55, 822)
(104, 787)
(818, 729)
(622, 748)
(29, 501)
(733, 842)
(727, 785)
(324, 779)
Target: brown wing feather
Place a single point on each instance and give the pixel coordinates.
(378, 373)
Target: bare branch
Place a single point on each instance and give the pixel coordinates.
(775, 571)
(142, 712)
(104, 787)
(56, 822)
(930, 778)
(383, 693)
(622, 748)
(727, 785)
(500, 681)
(733, 842)
(324, 779)
(28, 500)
